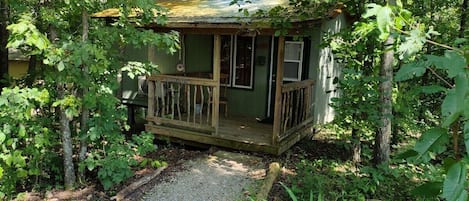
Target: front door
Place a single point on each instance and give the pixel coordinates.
(294, 64)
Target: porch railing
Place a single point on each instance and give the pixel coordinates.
(295, 107)
(178, 101)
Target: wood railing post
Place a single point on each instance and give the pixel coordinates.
(151, 99)
(278, 90)
(216, 77)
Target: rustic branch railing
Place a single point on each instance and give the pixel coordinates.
(181, 102)
(295, 107)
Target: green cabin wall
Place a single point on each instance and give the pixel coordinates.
(199, 51)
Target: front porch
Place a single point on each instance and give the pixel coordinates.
(188, 108)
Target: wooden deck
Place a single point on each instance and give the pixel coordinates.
(246, 129)
(242, 133)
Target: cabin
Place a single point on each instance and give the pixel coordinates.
(234, 83)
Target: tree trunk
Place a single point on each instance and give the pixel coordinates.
(67, 145)
(3, 42)
(85, 111)
(463, 19)
(356, 146)
(382, 148)
(382, 140)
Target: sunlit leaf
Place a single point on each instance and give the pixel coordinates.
(60, 66)
(22, 131)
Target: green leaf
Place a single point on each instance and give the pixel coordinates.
(431, 89)
(453, 104)
(372, 10)
(453, 62)
(384, 20)
(407, 154)
(454, 184)
(433, 140)
(22, 131)
(411, 70)
(290, 192)
(2, 137)
(60, 66)
(428, 189)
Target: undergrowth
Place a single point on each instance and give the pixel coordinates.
(335, 180)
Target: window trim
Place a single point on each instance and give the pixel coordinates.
(300, 61)
(234, 60)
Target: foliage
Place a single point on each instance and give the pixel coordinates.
(26, 140)
(331, 180)
(79, 74)
(453, 108)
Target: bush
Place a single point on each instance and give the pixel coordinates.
(342, 181)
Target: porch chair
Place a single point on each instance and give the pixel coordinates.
(224, 78)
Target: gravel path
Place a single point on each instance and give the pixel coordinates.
(222, 176)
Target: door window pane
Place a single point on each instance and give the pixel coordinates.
(291, 70)
(293, 51)
(243, 62)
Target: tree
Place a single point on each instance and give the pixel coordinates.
(383, 137)
(3, 41)
(79, 69)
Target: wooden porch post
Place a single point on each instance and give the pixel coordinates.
(278, 89)
(216, 77)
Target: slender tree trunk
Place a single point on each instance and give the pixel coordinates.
(85, 111)
(3, 41)
(356, 146)
(382, 140)
(463, 18)
(67, 144)
(383, 137)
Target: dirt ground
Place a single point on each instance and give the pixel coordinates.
(176, 154)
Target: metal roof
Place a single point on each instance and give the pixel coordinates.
(16, 55)
(206, 11)
(199, 11)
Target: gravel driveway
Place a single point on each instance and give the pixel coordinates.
(222, 176)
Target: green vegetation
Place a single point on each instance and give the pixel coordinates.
(428, 98)
(67, 104)
(409, 57)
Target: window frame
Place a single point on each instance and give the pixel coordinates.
(299, 61)
(234, 62)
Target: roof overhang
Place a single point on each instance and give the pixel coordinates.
(198, 16)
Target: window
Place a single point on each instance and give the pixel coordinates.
(293, 61)
(243, 64)
(237, 61)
